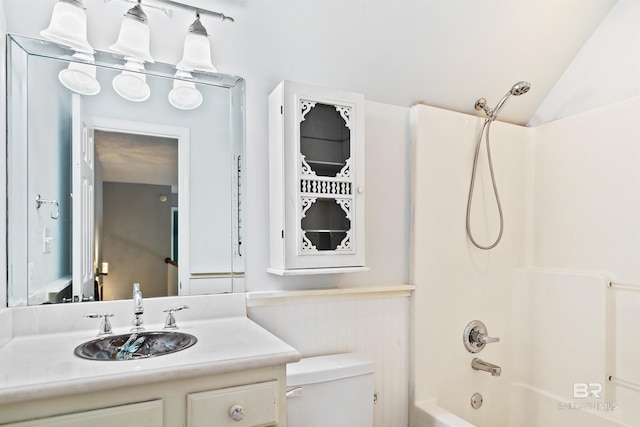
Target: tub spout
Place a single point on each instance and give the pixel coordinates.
(481, 365)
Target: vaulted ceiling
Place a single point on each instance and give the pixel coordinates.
(445, 53)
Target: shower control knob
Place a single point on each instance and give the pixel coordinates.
(236, 412)
(475, 337)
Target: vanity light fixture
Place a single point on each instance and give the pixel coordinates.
(197, 49)
(68, 26)
(184, 95)
(134, 37)
(80, 77)
(131, 84)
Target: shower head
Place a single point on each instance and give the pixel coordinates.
(520, 88)
(517, 90)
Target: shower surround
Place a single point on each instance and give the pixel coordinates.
(570, 191)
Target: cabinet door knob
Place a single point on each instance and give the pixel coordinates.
(360, 190)
(236, 412)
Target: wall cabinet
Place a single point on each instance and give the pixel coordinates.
(316, 180)
(251, 398)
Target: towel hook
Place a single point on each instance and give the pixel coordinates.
(40, 201)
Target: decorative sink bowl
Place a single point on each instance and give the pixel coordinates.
(135, 345)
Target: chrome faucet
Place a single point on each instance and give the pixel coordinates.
(137, 308)
(105, 325)
(170, 322)
(481, 365)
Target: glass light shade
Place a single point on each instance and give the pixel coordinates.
(184, 95)
(197, 54)
(68, 27)
(80, 77)
(131, 84)
(133, 40)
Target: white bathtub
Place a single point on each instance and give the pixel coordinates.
(528, 407)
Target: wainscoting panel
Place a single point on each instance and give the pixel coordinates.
(377, 326)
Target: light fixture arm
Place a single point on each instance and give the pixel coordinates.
(221, 16)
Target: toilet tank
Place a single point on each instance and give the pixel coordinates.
(330, 391)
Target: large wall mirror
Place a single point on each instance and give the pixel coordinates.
(114, 181)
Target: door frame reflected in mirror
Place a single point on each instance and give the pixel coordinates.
(182, 136)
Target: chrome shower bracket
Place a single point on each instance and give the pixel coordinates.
(475, 337)
(481, 104)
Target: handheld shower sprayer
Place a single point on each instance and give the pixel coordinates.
(481, 104)
(516, 90)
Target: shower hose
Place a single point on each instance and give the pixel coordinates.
(485, 130)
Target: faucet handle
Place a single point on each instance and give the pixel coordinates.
(475, 336)
(170, 322)
(486, 339)
(105, 324)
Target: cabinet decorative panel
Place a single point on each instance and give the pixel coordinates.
(316, 146)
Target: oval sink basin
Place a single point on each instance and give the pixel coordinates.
(135, 345)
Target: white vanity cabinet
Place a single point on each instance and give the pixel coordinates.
(250, 398)
(316, 180)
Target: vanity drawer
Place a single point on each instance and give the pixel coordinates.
(145, 414)
(256, 405)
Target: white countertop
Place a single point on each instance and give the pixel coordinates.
(44, 365)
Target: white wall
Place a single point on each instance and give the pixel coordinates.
(559, 324)
(604, 71)
(586, 209)
(456, 282)
(587, 192)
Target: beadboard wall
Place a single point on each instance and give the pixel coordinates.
(377, 326)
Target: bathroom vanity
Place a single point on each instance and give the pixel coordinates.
(71, 238)
(233, 376)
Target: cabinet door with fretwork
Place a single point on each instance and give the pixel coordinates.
(316, 172)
